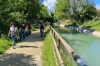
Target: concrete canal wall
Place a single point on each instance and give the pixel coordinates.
(95, 33)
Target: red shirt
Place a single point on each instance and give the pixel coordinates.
(29, 25)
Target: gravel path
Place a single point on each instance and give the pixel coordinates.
(27, 53)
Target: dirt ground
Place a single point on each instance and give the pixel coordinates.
(27, 53)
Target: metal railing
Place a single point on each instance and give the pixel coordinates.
(71, 52)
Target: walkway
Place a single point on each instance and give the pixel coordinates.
(27, 52)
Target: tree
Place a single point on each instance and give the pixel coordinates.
(77, 10)
(88, 12)
(43, 12)
(19, 11)
(62, 9)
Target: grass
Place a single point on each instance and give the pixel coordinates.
(4, 44)
(48, 54)
(68, 60)
(94, 25)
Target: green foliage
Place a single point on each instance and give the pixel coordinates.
(34, 26)
(4, 44)
(77, 10)
(43, 12)
(48, 54)
(88, 12)
(19, 11)
(62, 7)
(95, 25)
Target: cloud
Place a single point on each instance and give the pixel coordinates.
(50, 4)
(98, 6)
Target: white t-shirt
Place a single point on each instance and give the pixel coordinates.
(13, 30)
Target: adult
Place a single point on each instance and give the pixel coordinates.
(13, 32)
(29, 27)
(22, 31)
(41, 26)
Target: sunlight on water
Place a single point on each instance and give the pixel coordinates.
(86, 46)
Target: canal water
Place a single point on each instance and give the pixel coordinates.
(85, 45)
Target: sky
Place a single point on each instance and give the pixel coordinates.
(51, 4)
(97, 2)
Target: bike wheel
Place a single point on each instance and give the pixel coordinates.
(41, 34)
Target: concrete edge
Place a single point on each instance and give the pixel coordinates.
(95, 33)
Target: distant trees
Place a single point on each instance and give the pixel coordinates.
(76, 10)
(62, 9)
(43, 12)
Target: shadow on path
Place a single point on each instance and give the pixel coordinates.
(24, 55)
(17, 60)
(33, 37)
(22, 46)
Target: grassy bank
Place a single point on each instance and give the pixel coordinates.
(48, 54)
(4, 44)
(94, 25)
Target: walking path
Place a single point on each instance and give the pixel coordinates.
(27, 53)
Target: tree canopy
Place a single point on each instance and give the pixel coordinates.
(77, 10)
(20, 11)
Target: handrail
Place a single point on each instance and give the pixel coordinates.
(57, 51)
(77, 59)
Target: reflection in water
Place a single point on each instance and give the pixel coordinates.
(86, 46)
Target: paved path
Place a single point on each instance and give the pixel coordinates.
(27, 53)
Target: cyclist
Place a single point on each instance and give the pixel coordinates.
(29, 28)
(41, 26)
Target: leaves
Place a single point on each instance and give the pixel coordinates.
(19, 11)
(76, 10)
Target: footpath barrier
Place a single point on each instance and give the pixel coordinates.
(57, 52)
(58, 42)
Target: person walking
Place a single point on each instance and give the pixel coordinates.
(13, 32)
(22, 32)
(29, 27)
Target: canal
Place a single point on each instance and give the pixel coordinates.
(85, 45)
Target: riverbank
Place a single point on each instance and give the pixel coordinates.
(84, 30)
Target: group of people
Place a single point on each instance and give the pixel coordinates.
(14, 33)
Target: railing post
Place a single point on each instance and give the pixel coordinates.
(54, 34)
(51, 30)
(50, 27)
(58, 44)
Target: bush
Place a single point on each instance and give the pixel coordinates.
(1, 50)
(4, 44)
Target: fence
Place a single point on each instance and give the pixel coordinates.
(64, 52)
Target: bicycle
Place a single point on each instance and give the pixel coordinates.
(42, 33)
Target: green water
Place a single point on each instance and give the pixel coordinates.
(85, 45)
